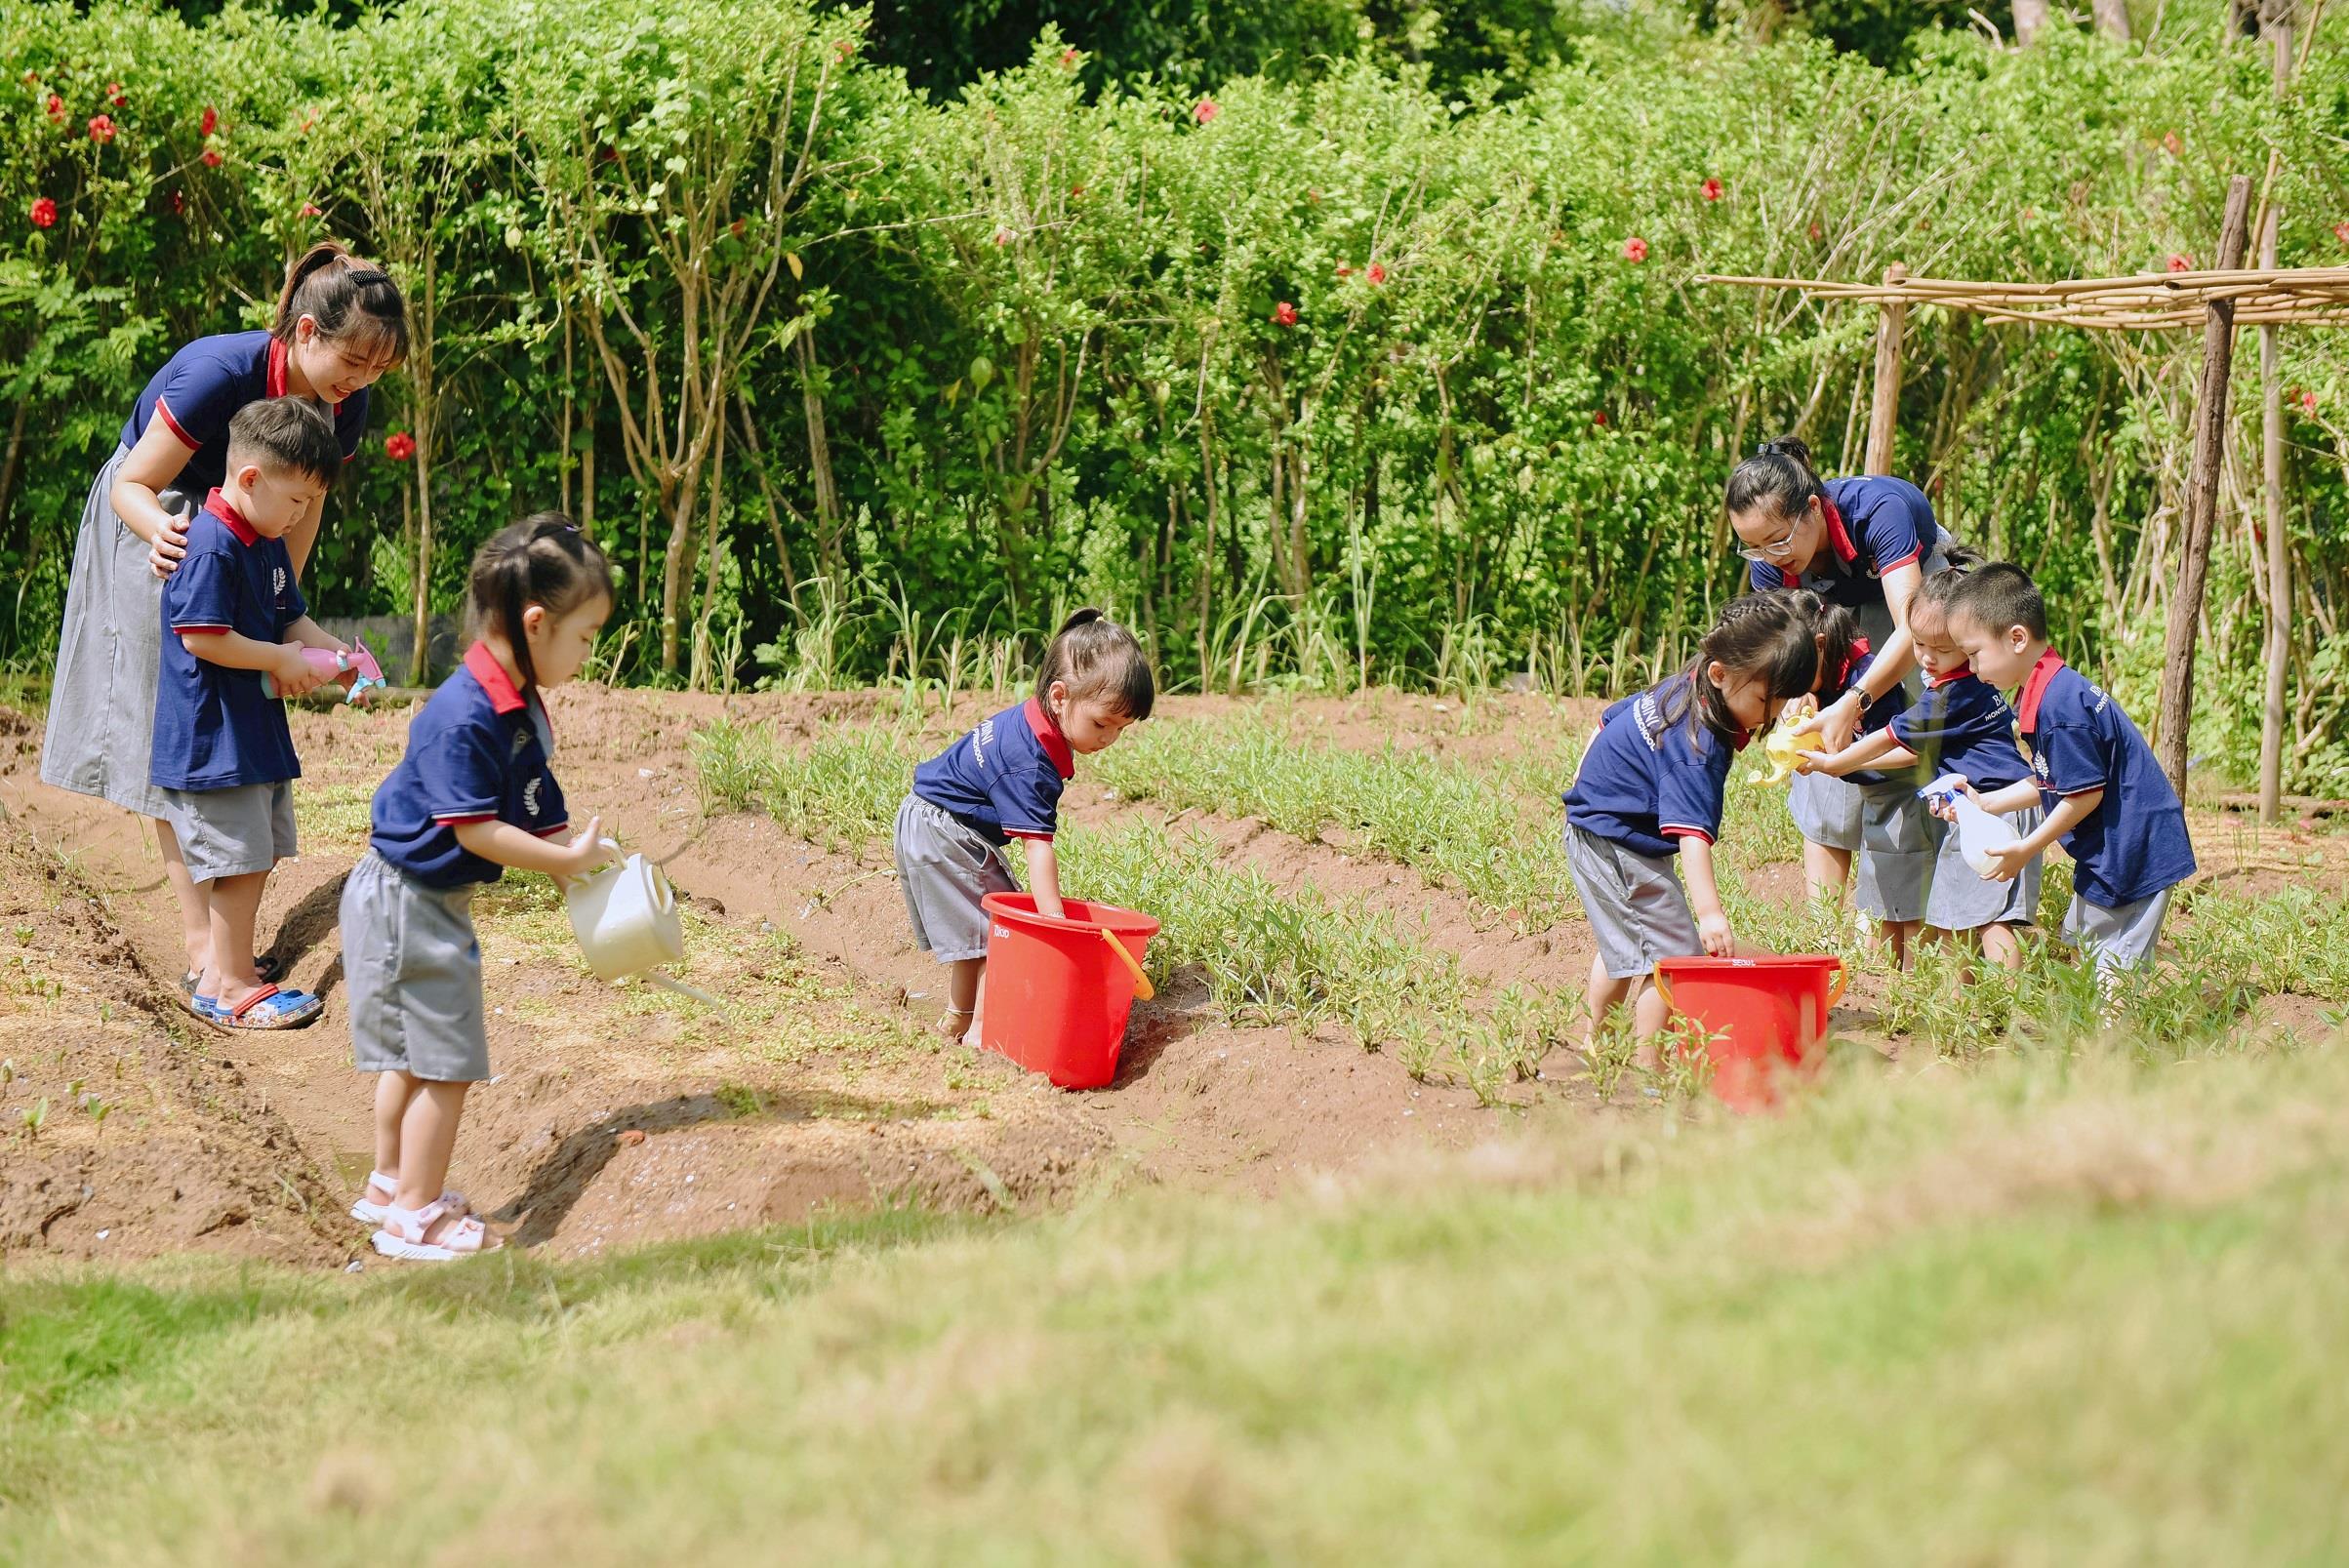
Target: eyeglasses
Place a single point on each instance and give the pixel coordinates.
(1777, 550)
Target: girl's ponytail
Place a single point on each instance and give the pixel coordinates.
(1779, 476)
(350, 300)
(543, 560)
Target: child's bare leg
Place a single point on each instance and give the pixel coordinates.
(427, 1137)
(961, 1019)
(1649, 1016)
(392, 1092)
(195, 907)
(1825, 871)
(2002, 944)
(1602, 992)
(1902, 935)
(229, 978)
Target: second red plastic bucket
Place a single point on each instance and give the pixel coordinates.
(1057, 993)
(1757, 1016)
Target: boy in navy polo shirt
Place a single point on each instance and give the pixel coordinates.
(223, 757)
(1961, 726)
(1001, 782)
(2108, 802)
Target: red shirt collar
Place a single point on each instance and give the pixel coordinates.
(273, 381)
(1959, 673)
(218, 504)
(1839, 538)
(1047, 734)
(484, 668)
(2035, 687)
(1851, 657)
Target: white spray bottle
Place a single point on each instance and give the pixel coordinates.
(1979, 833)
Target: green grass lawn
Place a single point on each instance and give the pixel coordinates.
(2054, 1310)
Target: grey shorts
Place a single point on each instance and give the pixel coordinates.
(1964, 899)
(1636, 907)
(232, 833)
(1826, 809)
(1899, 842)
(945, 866)
(412, 968)
(2120, 938)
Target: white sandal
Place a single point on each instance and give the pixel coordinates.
(405, 1229)
(367, 1211)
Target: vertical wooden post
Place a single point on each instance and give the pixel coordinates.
(2202, 497)
(2276, 20)
(1883, 406)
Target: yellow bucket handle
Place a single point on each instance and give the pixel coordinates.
(1144, 990)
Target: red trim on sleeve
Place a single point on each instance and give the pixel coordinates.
(1047, 734)
(218, 504)
(564, 827)
(206, 629)
(1882, 567)
(456, 818)
(1687, 832)
(179, 430)
(483, 667)
(2073, 794)
(2035, 688)
(1839, 538)
(1014, 832)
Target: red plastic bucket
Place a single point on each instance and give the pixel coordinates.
(1057, 991)
(1761, 1016)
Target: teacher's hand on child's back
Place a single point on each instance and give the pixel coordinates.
(168, 548)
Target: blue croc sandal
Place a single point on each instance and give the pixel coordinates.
(268, 1008)
(266, 966)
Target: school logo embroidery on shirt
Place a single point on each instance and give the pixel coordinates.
(981, 739)
(530, 798)
(277, 584)
(1649, 714)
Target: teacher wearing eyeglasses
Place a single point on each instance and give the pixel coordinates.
(1866, 543)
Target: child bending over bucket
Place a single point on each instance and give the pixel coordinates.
(1650, 787)
(474, 796)
(2107, 800)
(1002, 782)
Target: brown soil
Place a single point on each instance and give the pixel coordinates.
(621, 1116)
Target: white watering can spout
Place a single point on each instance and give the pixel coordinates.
(626, 921)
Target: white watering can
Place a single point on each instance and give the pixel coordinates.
(626, 921)
(1979, 833)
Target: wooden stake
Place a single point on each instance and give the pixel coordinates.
(1883, 406)
(2201, 499)
(2271, 453)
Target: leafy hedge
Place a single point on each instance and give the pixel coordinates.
(1317, 373)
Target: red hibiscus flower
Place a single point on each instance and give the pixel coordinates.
(2180, 261)
(1377, 272)
(43, 212)
(1599, 418)
(311, 209)
(2171, 143)
(1710, 190)
(1634, 250)
(1205, 110)
(2308, 403)
(211, 158)
(179, 203)
(57, 108)
(1068, 60)
(211, 121)
(1285, 313)
(399, 446)
(102, 128)
(116, 95)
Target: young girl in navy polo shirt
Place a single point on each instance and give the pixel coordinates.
(474, 796)
(1650, 787)
(1001, 782)
(2107, 800)
(1863, 543)
(340, 325)
(1961, 726)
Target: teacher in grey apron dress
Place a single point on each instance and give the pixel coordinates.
(1866, 543)
(340, 324)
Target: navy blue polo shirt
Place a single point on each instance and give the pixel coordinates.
(478, 752)
(1873, 716)
(1005, 777)
(1654, 774)
(202, 386)
(1962, 725)
(2077, 739)
(1875, 524)
(215, 727)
